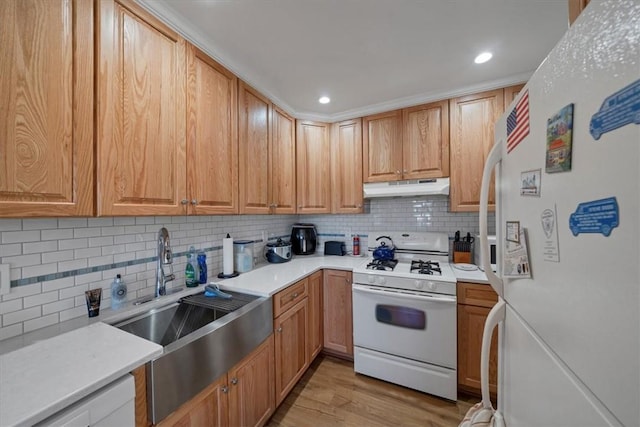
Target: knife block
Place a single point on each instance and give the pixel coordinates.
(462, 252)
(461, 257)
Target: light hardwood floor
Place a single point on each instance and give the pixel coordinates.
(331, 394)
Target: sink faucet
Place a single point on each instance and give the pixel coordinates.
(164, 258)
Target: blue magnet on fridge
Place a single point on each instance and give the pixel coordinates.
(598, 216)
(617, 110)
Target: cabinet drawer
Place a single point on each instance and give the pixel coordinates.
(287, 298)
(476, 294)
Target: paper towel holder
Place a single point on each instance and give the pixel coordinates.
(228, 276)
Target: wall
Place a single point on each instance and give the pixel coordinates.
(54, 261)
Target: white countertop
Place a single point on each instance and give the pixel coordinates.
(41, 379)
(49, 369)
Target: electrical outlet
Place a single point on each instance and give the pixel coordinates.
(5, 279)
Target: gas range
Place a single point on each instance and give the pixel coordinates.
(421, 263)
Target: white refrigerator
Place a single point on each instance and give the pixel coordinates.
(567, 187)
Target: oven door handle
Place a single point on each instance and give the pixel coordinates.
(404, 295)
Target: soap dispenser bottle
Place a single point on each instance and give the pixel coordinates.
(118, 293)
(190, 271)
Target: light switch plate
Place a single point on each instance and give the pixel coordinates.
(5, 279)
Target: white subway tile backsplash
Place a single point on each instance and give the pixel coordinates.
(40, 270)
(58, 234)
(124, 220)
(20, 236)
(9, 306)
(40, 322)
(87, 232)
(22, 260)
(72, 265)
(100, 222)
(73, 313)
(100, 241)
(10, 224)
(10, 249)
(40, 299)
(87, 253)
(11, 331)
(48, 257)
(72, 222)
(112, 231)
(72, 244)
(39, 247)
(21, 316)
(89, 278)
(39, 223)
(58, 306)
(57, 284)
(74, 292)
(100, 260)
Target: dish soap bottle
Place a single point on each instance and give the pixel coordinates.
(190, 272)
(202, 267)
(118, 293)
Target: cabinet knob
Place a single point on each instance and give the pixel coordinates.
(279, 329)
(398, 172)
(272, 205)
(184, 201)
(225, 389)
(234, 381)
(295, 295)
(358, 206)
(194, 202)
(404, 171)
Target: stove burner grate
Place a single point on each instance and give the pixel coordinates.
(382, 264)
(425, 267)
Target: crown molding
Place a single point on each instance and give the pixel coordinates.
(204, 43)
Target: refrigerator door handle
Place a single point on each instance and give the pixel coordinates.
(496, 315)
(495, 156)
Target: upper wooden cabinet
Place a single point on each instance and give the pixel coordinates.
(346, 167)
(267, 155)
(282, 163)
(412, 143)
(313, 167)
(382, 146)
(254, 119)
(46, 112)
(212, 138)
(472, 133)
(425, 141)
(141, 113)
(473, 119)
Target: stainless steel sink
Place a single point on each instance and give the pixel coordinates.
(170, 323)
(202, 338)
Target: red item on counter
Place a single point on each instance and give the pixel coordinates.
(356, 245)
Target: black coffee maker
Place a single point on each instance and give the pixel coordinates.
(303, 239)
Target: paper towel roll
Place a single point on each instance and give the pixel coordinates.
(227, 255)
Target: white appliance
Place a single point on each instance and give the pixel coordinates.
(404, 314)
(419, 187)
(113, 405)
(569, 336)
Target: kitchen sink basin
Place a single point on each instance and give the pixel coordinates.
(202, 339)
(170, 323)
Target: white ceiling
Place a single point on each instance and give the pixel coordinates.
(369, 55)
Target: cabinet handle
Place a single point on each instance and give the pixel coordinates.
(225, 389)
(279, 329)
(194, 202)
(234, 381)
(184, 201)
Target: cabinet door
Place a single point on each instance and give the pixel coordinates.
(212, 142)
(252, 388)
(471, 321)
(283, 163)
(346, 167)
(510, 93)
(291, 347)
(472, 121)
(254, 117)
(208, 409)
(315, 315)
(313, 167)
(425, 141)
(338, 308)
(382, 147)
(46, 112)
(141, 113)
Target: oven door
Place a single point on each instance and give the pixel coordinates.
(416, 325)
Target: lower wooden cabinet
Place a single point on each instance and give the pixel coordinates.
(316, 325)
(337, 313)
(242, 397)
(474, 303)
(291, 348)
(251, 391)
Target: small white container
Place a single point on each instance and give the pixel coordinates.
(243, 255)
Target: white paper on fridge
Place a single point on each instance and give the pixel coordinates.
(516, 258)
(548, 220)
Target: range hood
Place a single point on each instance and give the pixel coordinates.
(419, 187)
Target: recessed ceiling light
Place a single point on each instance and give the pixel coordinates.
(483, 57)
(324, 100)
